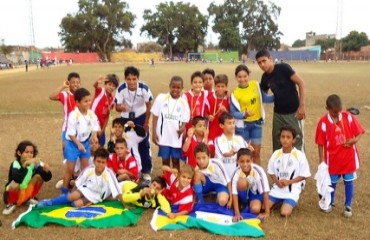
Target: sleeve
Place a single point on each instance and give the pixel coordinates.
(119, 98)
(211, 147)
(267, 98)
(218, 153)
(140, 131)
(148, 94)
(185, 116)
(46, 176)
(234, 182)
(304, 168)
(320, 137)
(95, 122)
(263, 184)
(61, 97)
(167, 176)
(132, 167)
(156, 109)
(288, 70)
(222, 171)
(71, 124)
(82, 177)
(18, 173)
(130, 197)
(163, 203)
(97, 91)
(270, 165)
(264, 83)
(235, 108)
(110, 163)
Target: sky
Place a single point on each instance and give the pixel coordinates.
(296, 18)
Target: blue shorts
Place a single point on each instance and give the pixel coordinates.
(247, 196)
(214, 187)
(289, 201)
(346, 177)
(102, 140)
(166, 152)
(252, 131)
(71, 152)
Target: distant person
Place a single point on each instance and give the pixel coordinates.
(26, 65)
(289, 104)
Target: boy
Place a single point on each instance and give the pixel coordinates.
(288, 168)
(228, 144)
(170, 114)
(179, 191)
(217, 103)
(337, 133)
(64, 94)
(195, 135)
(146, 196)
(123, 163)
(82, 126)
(208, 76)
(103, 100)
(196, 97)
(249, 185)
(95, 184)
(134, 99)
(211, 176)
(289, 105)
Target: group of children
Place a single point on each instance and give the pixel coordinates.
(216, 133)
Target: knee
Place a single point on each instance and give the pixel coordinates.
(285, 212)
(222, 199)
(255, 209)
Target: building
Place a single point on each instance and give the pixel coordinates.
(312, 37)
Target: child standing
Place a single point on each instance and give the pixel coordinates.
(82, 126)
(211, 176)
(26, 176)
(217, 103)
(249, 185)
(179, 191)
(170, 114)
(337, 133)
(102, 102)
(95, 184)
(288, 168)
(208, 76)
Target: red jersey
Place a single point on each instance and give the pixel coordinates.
(184, 198)
(101, 104)
(68, 101)
(213, 108)
(189, 154)
(129, 164)
(196, 105)
(332, 136)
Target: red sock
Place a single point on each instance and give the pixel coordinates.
(36, 189)
(13, 196)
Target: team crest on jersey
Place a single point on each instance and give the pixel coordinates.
(178, 109)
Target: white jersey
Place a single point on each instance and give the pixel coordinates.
(216, 172)
(134, 100)
(98, 188)
(257, 179)
(223, 145)
(288, 166)
(171, 114)
(82, 126)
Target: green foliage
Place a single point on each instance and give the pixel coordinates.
(6, 49)
(354, 41)
(326, 43)
(98, 26)
(299, 43)
(149, 47)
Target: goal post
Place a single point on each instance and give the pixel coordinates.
(197, 56)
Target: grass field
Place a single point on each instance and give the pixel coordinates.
(27, 113)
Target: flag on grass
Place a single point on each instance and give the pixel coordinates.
(212, 218)
(104, 215)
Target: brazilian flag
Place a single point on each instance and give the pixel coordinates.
(103, 215)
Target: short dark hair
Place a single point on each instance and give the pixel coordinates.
(197, 119)
(224, 116)
(221, 78)
(333, 101)
(120, 140)
(288, 128)
(102, 153)
(22, 147)
(112, 78)
(132, 70)
(202, 147)
(196, 74)
(209, 71)
(73, 75)
(80, 94)
(263, 53)
(176, 79)
(242, 67)
(119, 121)
(244, 152)
(161, 181)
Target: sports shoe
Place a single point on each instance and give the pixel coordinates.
(9, 208)
(59, 184)
(347, 212)
(32, 201)
(44, 203)
(330, 208)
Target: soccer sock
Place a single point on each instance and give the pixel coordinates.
(348, 189)
(198, 189)
(64, 190)
(62, 199)
(36, 189)
(12, 196)
(333, 185)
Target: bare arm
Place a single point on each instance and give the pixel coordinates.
(154, 130)
(147, 116)
(321, 153)
(55, 94)
(301, 109)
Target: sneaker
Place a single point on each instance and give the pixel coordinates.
(347, 212)
(330, 208)
(32, 201)
(59, 184)
(9, 208)
(44, 203)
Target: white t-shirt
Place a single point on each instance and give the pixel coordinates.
(257, 179)
(171, 114)
(135, 100)
(216, 172)
(81, 126)
(223, 145)
(288, 166)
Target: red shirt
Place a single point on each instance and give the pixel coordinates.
(129, 164)
(340, 159)
(189, 154)
(184, 198)
(101, 104)
(196, 105)
(68, 101)
(213, 108)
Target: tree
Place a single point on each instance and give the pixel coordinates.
(180, 26)
(6, 49)
(299, 43)
(248, 24)
(326, 43)
(354, 41)
(98, 26)
(149, 47)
